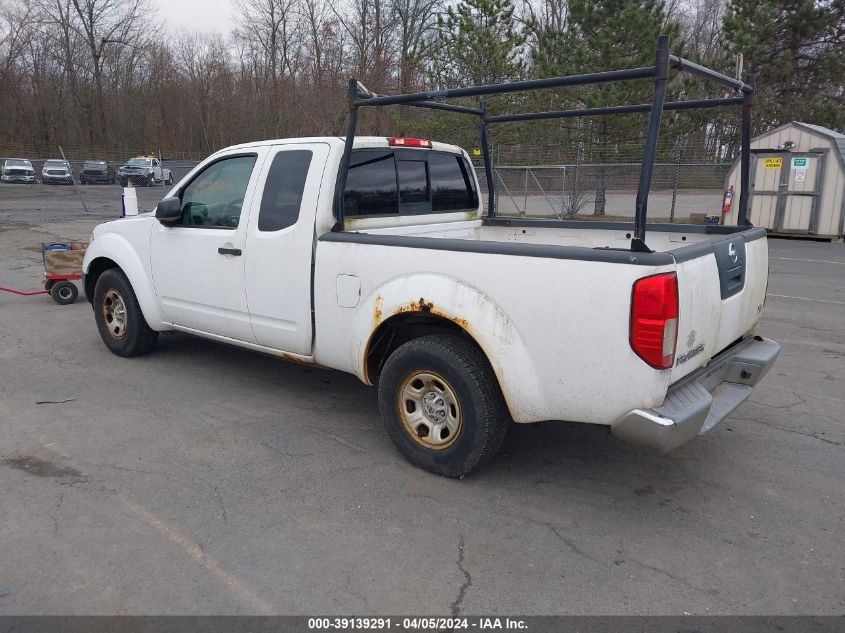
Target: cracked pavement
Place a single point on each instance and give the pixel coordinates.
(205, 479)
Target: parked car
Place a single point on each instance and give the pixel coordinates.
(96, 172)
(144, 171)
(463, 325)
(57, 172)
(18, 170)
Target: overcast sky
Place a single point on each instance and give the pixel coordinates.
(204, 15)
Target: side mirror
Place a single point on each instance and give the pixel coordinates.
(169, 210)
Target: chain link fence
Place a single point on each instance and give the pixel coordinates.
(529, 182)
(680, 192)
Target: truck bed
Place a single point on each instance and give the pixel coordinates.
(583, 234)
(576, 279)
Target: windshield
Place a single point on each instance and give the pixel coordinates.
(139, 162)
(17, 162)
(54, 163)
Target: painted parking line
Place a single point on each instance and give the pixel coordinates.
(194, 551)
(809, 261)
(842, 303)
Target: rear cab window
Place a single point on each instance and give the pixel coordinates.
(401, 181)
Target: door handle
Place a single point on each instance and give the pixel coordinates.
(230, 251)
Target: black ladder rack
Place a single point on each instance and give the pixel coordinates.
(359, 96)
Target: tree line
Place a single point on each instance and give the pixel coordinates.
(105, 77)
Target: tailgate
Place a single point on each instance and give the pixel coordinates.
(721, 289)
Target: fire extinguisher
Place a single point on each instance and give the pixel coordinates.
(728, 200)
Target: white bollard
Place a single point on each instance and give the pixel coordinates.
(130, 201)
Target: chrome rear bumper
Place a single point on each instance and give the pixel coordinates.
(701, 400)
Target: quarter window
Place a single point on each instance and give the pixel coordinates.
(214, 198)
(283, 190)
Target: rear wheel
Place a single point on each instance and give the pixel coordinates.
(119, 318)
(64, 292)
(441, 405)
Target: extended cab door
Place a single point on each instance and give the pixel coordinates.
(280, 246)
(198, 264)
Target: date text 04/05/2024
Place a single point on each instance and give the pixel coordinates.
(416, 623)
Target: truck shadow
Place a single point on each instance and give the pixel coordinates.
(553, 452)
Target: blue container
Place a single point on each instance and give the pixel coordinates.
(57, 246)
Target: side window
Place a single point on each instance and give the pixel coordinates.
(155, 162)
(283, 190)
(371, 184)
(452, 186)
(214, 198)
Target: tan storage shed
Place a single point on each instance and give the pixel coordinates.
(797, 181)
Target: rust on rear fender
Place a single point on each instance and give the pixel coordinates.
(428, 307)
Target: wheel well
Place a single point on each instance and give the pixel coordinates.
(402, 328)
(95, 269)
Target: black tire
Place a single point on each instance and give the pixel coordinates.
(151, 181)
(64, 292)
(48, 285)
(124, 330)
(170, 181)
(123, 183)
(458, 371)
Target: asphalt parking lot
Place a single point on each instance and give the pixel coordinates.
(207, 479)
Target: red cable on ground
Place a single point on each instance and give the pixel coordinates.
(23, 292)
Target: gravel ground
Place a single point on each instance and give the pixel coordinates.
(206, 479)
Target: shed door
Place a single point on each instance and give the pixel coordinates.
(785, 191)
(799, 208)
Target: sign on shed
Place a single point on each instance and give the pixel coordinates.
(799, 163)
(774, 162)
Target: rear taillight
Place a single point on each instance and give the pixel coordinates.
(402, 141)
(654, 319)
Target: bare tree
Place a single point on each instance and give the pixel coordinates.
(202, 61)
(274, 25)
(417, 24)
(105, 25)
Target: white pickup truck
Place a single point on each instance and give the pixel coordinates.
(463, 323)
(144, 171)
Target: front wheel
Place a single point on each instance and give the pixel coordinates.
(119, 318)
(170, 180)
(441, 405)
